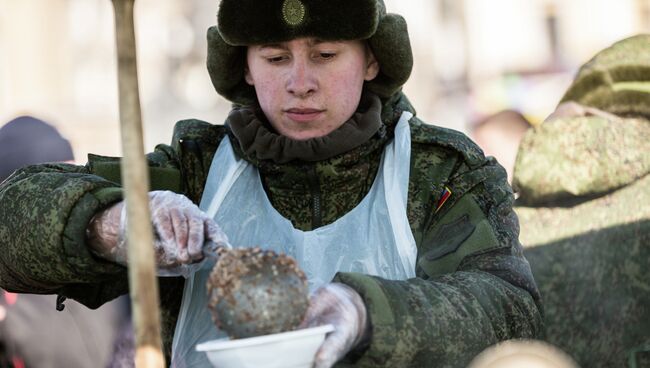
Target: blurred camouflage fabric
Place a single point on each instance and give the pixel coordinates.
(584, 210)
(617, 79)
(581, 156)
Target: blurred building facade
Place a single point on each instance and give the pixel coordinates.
(472, 58)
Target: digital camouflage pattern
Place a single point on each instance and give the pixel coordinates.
(617, 79)
(473, 286)
(591, 261)
(583, 156)
(585, 216)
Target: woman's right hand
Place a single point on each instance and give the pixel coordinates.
(181, 231)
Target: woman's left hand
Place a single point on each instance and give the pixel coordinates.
(341, 306)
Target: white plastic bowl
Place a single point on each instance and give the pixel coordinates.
(293, 349)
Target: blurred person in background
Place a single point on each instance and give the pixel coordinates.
(33, 333)
(26, 140)
(405, 230)
(499, 135)
(584, 209)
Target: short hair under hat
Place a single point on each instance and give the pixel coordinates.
(241, 23)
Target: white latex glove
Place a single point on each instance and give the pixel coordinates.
(341, 306)
(182, 232)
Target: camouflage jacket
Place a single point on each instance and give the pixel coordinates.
(591, 261)
(473, 286)
(584, 207)
(586, 227)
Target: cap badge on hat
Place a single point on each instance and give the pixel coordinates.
(293, 12)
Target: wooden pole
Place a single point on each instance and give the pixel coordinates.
(135, 180)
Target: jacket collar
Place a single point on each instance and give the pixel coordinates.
(370, 127)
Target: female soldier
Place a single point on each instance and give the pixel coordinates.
(405, 230)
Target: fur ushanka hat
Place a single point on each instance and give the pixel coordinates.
(241, 23)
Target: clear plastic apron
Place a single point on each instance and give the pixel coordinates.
(374, 238)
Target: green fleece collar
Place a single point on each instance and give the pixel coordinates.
(258, 140)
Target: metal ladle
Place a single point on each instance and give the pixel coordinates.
(256, 292)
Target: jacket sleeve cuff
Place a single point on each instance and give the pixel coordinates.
(380, 314)
(79, 256)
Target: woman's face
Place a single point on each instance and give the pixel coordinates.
(307, 87)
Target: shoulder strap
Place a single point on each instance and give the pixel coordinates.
(196, 142)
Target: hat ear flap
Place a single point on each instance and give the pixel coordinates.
(392, 49)
(226, 65)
